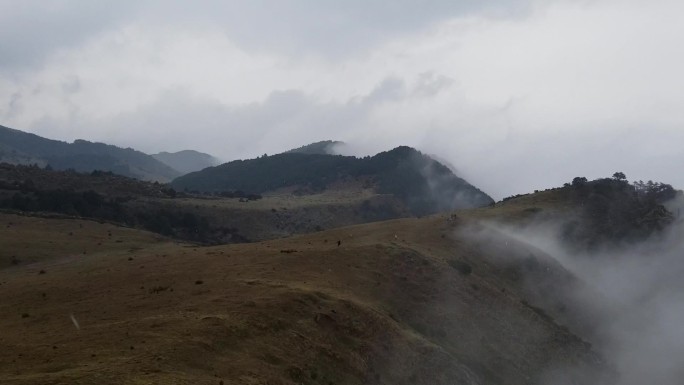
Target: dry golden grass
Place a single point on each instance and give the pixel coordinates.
(338, 194)
(34, 239)
(383, 307)
(282, 214)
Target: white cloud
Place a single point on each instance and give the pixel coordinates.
(515, 100)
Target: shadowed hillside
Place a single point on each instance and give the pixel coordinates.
(422, 184)
(13, 177)
(186, 161)
(24, 148)
(600, 213)
(228, 217)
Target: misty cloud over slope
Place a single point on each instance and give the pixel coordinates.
(187, 160)
(633, 295)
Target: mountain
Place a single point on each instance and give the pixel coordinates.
(324, 147)
(421, 183)
(18, 147)
(187, 161)
(482, 296)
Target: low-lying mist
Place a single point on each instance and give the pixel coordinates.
(635, 294)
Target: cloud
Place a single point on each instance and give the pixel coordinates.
(176, 120)
(31, 30)
(517, 97)
(630, 296)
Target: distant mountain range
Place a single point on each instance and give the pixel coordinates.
(421, 183)
(187, 160)
(424, 185)
(18, 147)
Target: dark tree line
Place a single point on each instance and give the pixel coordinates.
(654, 191)
(227, 194)
(617, 211)
(646, 192)
(166, 220)
(87, 204)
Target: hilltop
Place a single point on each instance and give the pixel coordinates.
(422, 184)
(187, 161)
(324, 147)
(18, 147)
(606, 212)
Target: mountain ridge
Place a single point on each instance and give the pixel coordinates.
(19, 147)
(423, 184)
(323, 147)
(187, 161)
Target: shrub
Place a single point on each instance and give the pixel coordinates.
(460, 266)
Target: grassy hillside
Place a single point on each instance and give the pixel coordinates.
(424, 185)
(595, 213)
(206, 219)
(449, 298)
(412, 301)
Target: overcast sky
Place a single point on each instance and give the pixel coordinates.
(515, 95)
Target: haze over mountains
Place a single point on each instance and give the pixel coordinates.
(408, 193)
(484, 296)
(312, 267)
(187, 160)
(315, 268)
(81, 155)
(324, 147)
(423, 185)
(18, 147)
